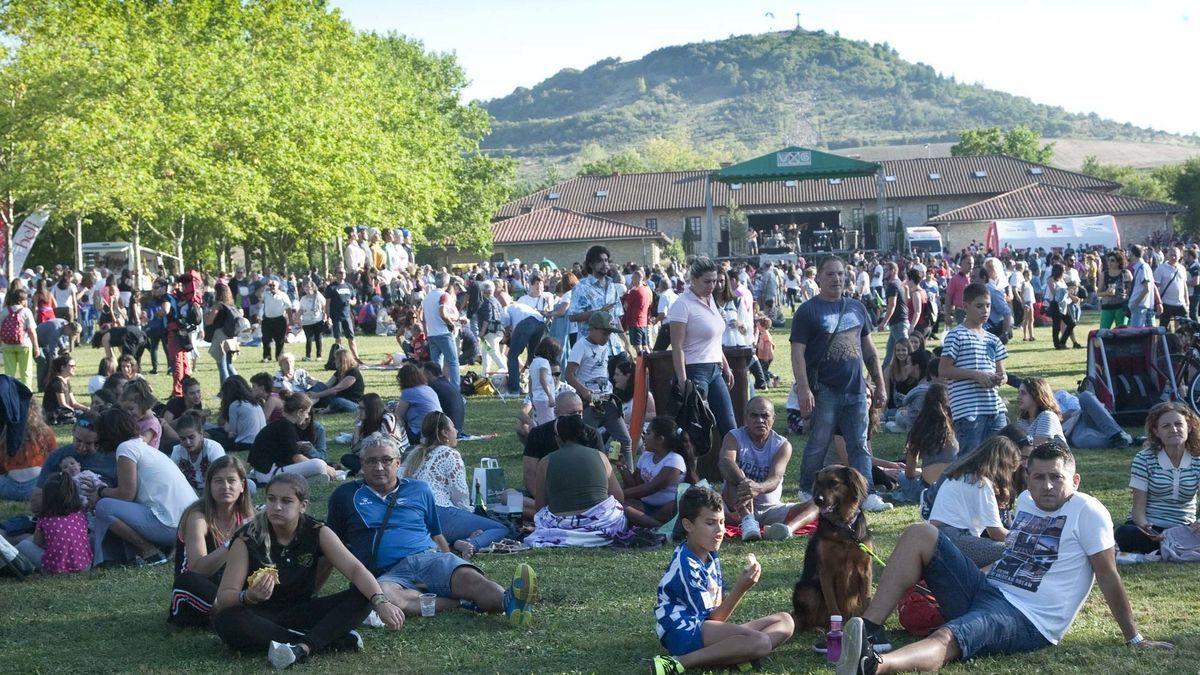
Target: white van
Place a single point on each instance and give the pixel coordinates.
(924, 239)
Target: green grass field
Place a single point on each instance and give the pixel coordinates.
(596, 612)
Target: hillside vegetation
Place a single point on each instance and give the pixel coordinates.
(749, 93)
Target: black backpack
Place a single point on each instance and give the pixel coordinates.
(692, 414)
(330, 363)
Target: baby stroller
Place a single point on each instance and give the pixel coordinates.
(1130, 371)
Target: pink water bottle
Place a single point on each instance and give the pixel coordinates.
(833, 639)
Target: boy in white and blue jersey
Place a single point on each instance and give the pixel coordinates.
(973, 361)
(692, 607)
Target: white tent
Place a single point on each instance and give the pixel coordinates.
(1054, 233)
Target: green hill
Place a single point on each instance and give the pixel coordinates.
(750, 93)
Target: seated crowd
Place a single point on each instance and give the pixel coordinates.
(144, 481)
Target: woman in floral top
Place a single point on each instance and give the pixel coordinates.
(436, 462)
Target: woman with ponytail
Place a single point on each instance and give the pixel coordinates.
(666, 463)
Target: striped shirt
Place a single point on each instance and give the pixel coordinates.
(1170, 491)
(1047, 424)
(689, 591)
(973, 350)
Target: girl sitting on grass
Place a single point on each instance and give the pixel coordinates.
(665, 464)
(62, 528)
(138, 400)
(930, 447)
(108, 366)
(968, 503)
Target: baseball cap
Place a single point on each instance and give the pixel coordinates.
(603, 320)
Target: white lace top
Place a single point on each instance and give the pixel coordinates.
(443, 469)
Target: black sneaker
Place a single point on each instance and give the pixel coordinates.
(858, 656)
(350, 642)
(878, 637)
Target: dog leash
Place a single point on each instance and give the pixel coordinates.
(867, 549)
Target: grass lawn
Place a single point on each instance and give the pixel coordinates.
(596, 612)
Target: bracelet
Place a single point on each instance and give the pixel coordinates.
(384, 600)
(1136, 640)
(242, 597)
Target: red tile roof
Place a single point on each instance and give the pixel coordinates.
(1046, 201)
(674, 190)
(559, 224)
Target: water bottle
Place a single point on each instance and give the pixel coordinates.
(833, 639)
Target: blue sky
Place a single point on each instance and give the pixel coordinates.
(1128, 61)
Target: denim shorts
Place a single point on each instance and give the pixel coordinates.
(638, 336)
(429, 571)
(978, 615)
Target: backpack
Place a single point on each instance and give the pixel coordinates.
(14, 563)
(330, 363)
(693, 415)
(12, 328)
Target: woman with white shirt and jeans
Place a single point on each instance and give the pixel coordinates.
(152, 494)
(437, 462)
(967, 507)
(312, 318)
(697, 329)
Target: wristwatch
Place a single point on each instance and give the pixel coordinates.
(378, 599)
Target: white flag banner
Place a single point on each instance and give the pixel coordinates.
(25, 236)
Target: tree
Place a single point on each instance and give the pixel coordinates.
(1154, 185)
(1020, 142)
(484, 183)
(1186, 191)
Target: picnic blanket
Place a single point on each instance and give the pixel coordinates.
(593, 528)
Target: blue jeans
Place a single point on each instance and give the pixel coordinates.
(977, 614)
(834, 412)
(970, 431)
(460, 524)
(225, 368)
(711, 384)
(1094, 426)
(333, 404)
(525, 337)
(1141, 318)
(895, 332)
(443, 351)
(15, 490)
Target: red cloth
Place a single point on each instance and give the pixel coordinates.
(637, 307)
(919, 613)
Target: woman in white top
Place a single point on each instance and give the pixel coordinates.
(972, 492)
(436, 462)
(19, 348)
(697, 327)
(1025, 288)
(152, 494)
(1039, 412)
(735, 308)
(312, 318)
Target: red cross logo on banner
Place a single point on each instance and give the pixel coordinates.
(1055, 228)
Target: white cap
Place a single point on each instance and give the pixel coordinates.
(836, 617)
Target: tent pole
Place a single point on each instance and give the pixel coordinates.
(708, 207)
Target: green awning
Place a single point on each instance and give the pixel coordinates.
(794, 163)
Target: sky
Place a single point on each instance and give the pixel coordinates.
(1127, 61)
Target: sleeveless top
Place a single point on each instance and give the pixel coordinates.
(756, 461)
(296, 562)
(210, 544)
(1115, 281)
(575, 479)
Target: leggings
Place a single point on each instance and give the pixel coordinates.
(307, 468)
(312, 335)
(325, 619)
(274, 330)
(192, 598)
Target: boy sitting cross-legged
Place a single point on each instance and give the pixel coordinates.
(692, 609)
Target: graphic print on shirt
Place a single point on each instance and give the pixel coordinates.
(844, 343)
(1032, 548)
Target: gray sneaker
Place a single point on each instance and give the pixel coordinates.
(282, 655)
(777, 532)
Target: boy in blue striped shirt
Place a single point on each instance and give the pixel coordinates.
(973, 361)
(692, 609)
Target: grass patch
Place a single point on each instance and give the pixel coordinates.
(597, 608)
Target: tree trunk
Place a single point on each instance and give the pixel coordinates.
(179, 243)
(79, 242)
(246, 255)
(7, 215)
(324, 258)
(136, 263)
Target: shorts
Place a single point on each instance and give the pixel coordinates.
(683, 641)
(773, 514)
(981, 619)
(429, 571)
(638, 337)
(342, 326)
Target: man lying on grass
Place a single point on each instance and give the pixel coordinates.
(391, 525)
(1061, 540)
(693, 612)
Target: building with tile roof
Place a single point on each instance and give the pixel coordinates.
(562, 235)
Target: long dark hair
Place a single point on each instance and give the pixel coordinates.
(235, 388)
(373, 412)
(933, 428)
(678, 442)
(114, 427)
(996, 459)
(60, 497)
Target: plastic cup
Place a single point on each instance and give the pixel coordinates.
(428, 604)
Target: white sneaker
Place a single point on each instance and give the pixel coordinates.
(804, 497)
(281, 655)
(750, 529)
(778, 532)
(893, 427)
(875, 503)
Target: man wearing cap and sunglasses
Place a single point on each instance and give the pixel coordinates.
(587, 373)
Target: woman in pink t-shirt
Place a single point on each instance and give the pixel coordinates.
(697, 326)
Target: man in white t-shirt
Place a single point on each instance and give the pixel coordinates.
(1172, 281)
(1143, 294)
(587, 373)
(441, 320)
(1060, 542)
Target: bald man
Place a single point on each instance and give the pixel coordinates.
(541, 440)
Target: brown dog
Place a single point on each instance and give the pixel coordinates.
(837, 573)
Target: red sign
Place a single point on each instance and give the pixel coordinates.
(1054, 227)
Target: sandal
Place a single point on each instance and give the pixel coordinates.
(504, 547)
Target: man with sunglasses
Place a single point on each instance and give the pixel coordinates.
(82, 450)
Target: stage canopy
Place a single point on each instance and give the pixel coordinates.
(795, 163)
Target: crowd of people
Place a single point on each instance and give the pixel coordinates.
(148, 479)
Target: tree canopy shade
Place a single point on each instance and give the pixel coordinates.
(795, 163)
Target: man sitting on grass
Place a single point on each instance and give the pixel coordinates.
(1060, 541)
(692, 611)
(391, 525)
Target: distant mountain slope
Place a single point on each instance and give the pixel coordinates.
(1069, 153)
(750, 93)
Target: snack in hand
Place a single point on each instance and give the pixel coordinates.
(751, 560)
(267, 571)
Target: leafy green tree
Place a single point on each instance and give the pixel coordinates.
(1186, 191)
(484, 183)
(1020, 142)
(1155, 185)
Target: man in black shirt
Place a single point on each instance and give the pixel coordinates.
(339, 296)
(449, 396)
(542, 440)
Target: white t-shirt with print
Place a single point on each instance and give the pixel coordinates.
(648, 469)
(593, 365)
(967, 504)
(1045, 571)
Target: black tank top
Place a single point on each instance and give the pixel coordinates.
(296, 562)
(1117, 282)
